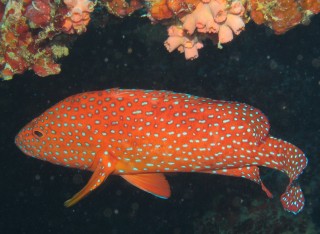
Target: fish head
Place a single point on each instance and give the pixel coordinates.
(56, 137)
(33, 138)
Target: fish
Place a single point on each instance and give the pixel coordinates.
(141, 135)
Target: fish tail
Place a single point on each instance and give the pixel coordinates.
(291, 160)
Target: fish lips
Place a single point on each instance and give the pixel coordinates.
(22, 144)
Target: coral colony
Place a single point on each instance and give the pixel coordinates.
(36, 33)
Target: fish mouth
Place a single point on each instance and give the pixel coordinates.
(20, 143)
(17, 140)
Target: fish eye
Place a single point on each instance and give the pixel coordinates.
(37, 133)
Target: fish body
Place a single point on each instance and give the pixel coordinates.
(141, 134)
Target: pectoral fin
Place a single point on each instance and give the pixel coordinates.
(103, 169)
(156, 184)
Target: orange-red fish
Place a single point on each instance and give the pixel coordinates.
(141, 134)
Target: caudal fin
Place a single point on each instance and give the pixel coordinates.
(283, 156)
(293, 200)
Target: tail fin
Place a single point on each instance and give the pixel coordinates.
(289, 159)
(293, 200)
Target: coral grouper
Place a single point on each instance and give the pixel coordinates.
(141, 134)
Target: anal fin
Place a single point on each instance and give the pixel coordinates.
(250, 172)
(154, 183)
(103, 169)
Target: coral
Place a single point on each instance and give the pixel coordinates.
(28, 34)
(20, 48)
(310, 5)
(210, 18)
(165, 9)
(159, 10)
(2, 7)
(282, 15)
(178, 39)
(35, 33)
(78, 16)
(122, 8)
(38, 13)
(216, 17)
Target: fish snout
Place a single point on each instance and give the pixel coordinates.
(20, 142)
(23, 141)
(17, 140)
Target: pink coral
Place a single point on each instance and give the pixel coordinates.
(78, 16)
(187, 44)
(216, 16)
(213, 19)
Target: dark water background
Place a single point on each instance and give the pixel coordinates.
(277, 74)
